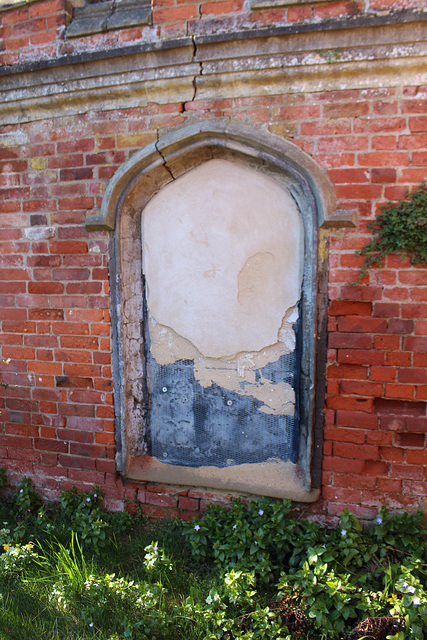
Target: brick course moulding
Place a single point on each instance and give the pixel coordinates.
(370, 51)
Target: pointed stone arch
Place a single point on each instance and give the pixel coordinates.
(175, 153)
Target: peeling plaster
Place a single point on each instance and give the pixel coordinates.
(222, 259)
(236, 374)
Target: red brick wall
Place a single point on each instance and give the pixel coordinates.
(57, 414)
(36, 31)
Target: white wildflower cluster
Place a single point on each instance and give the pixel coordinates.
(59, 598)
(16, 557)
(213, 597)
(409, 588)
(155, 559)
(103, 588)
(102, 591)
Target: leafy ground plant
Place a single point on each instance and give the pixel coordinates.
(250, 572)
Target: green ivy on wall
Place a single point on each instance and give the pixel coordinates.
(401, 227)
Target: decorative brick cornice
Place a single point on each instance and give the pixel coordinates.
(364, 53)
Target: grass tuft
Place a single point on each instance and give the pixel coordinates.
(76, 572)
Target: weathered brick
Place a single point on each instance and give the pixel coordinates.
(338, 434)
(84, 422)
(350, 341)
(353, 481)
(362, 325)
(362, 512)
(339, 494)
(160, 499)
(360, 388)
(406, 470)
(74, 461)
(399, 408)
(356, 451)
(388, 485)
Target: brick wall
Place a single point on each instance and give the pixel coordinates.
(57, 414)
(37, 31)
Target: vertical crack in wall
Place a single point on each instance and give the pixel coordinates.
(200, 67)
(165, 164)
(194, 81)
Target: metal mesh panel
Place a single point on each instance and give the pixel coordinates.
(194, 426)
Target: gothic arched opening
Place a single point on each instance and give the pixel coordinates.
(215, 301)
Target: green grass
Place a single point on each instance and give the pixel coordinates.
(75, 572)
(27, 611)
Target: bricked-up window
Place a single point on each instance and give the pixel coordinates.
(222, 258)
(215, 307)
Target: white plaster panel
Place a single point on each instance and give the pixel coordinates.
(222, 257)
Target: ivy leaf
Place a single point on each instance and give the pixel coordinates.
(400, 228)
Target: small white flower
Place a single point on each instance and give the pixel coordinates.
(91, 624)
(405, 584)
(87, 499)
(197, 527)
(260, 512)
(209, 599)
(95, 495)
(21, 490)
(343, 532)
(234, 526)
(411, 589)
(416, 601)
(379, 520)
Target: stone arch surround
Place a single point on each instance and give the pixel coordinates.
(175, 153)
